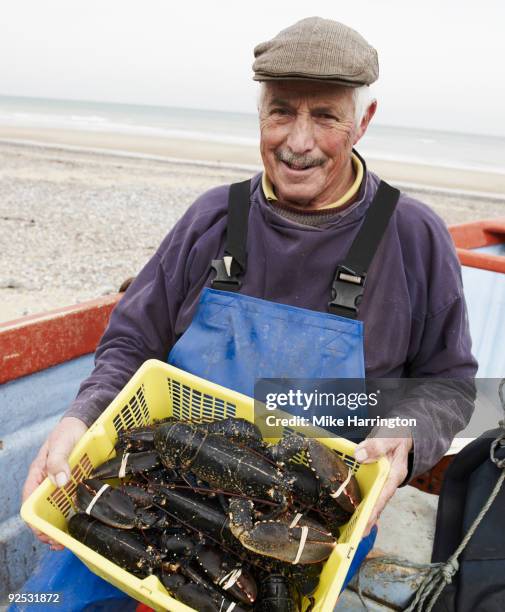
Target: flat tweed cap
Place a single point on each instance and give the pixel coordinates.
(317, 49)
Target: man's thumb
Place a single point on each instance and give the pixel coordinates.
(58, 469)
(371, 449)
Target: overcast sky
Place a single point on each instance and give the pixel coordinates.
(441, 62)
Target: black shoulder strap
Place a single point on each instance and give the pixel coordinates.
(234, 261)
(349, 282)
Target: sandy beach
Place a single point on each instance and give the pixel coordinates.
(82, 211)
(399, 172)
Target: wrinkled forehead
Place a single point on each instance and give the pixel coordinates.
(298, 92)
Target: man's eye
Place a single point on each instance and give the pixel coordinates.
(327, 117)
(280, 112)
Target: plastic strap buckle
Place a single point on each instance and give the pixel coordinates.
(224, 281)
(347, 291)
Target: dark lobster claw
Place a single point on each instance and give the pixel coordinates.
(125, 548)
(336, 478)
(293, 538)
(226, 573)
(128, 463)
(112, 506)
(195, 591)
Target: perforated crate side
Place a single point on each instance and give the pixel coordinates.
(189, 404)
(134, 414)
(63, 498)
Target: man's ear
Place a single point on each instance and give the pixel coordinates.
(367, 117)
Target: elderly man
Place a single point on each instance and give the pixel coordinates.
(266, 278)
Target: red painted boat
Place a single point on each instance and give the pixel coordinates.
(481, 244)
(37, 342)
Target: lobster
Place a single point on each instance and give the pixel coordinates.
(228, 465)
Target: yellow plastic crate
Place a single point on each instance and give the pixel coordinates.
(158, 390)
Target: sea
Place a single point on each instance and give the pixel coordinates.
(421, 146)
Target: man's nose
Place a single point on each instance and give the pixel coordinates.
(301, 135)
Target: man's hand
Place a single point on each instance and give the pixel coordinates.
(396, 450)
(52, 461)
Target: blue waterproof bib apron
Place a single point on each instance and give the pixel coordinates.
(235, 339)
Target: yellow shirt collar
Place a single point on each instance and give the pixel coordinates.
(268, 189)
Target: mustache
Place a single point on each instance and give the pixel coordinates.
(299, 160)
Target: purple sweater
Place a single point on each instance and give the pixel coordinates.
(413, 307)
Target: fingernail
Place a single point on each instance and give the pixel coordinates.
(361, 455)
(61, 479)
(51, 478)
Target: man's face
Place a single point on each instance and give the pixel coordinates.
(307, 134)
